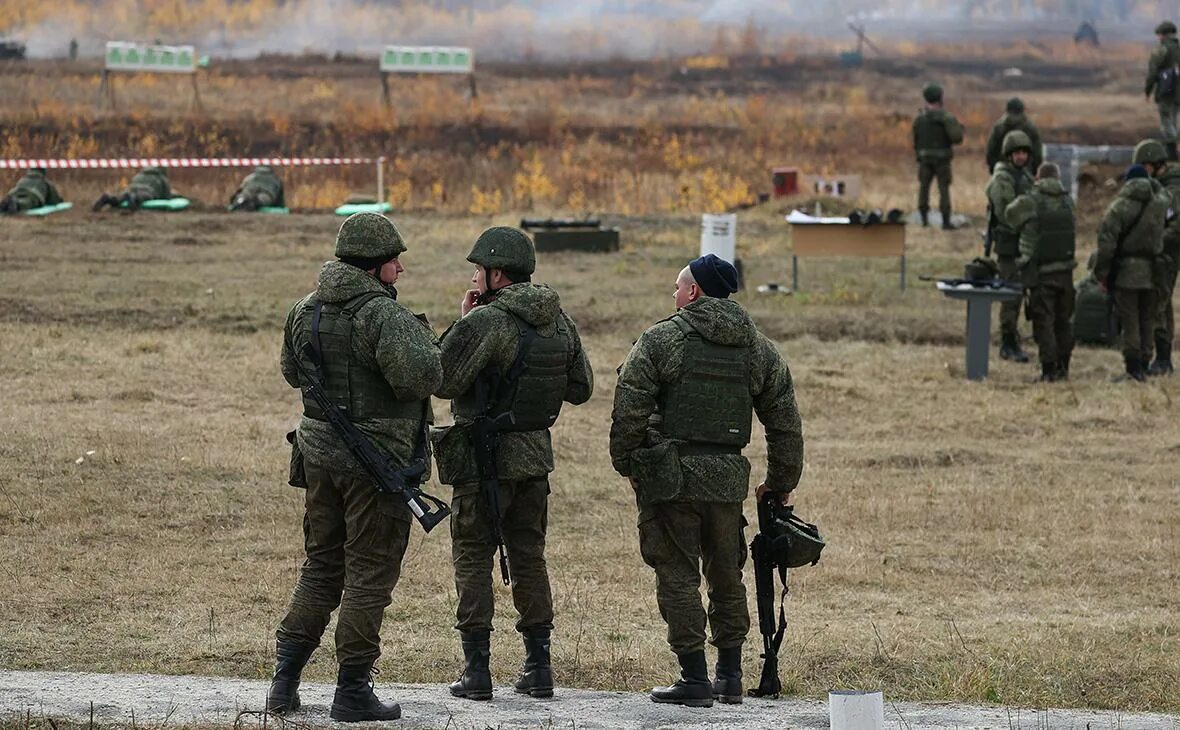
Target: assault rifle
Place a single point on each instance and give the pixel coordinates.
(987, 235)
(405, 481)
(980, 283)
(485, 439)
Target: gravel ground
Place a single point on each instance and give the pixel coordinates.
(159, 699)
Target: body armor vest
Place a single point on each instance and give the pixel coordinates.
(1056, 235)
(533, 389)
(1006, 240)
(931, 138)
(711, 403)
(361, 392)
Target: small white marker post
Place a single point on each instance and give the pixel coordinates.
(719, 237)
(380, 180)
(856, 710)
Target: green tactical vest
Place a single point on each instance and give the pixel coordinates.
(361, 392)
(1055, 231)
(1006, 240)
(931, 138)
(711, 404)
(533, 389)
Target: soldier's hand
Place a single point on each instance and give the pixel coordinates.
(788, 498)
(468, 303)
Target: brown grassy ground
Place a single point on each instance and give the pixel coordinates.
(1000, 542)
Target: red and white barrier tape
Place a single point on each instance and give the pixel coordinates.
(117, 164)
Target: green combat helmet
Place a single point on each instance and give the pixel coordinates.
(1015, 105)
(932, 93)
(1150, 152)
(1016, 140)
(504, 248)
(1166, 28)
(369, 236)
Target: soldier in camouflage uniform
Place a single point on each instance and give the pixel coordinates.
(683, 408)
(1151, 154)
(32, 191)
(1044, 218)
(936, 132)
(1009, 180)
(150, 183)
(1130, 238)
(513, 350)
(381, 364)
(1162, 82)
(1014, 119)
(261, 189)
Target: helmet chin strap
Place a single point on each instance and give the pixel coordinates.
(489, 293)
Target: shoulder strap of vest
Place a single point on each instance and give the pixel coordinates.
(352, 306)
(528, 334)
(685, 326)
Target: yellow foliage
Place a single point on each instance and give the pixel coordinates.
(401, 194)
(531, 185)
(484, 203)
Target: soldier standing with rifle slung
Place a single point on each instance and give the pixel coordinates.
(683, 409)
(1045, 219)
(32, 191)
(379, 364)
(1009, 181)
(1151, 154)
(1130, 239)
(1163, 69)
(1014, 119)
(509, 363)
(936, 132)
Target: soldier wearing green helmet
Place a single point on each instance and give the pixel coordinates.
(32, 191)
(936, 131)
(1151, 154)
(509, 362)
(150, 183)
(380, 363)
(1014, 118)
(1163, 82)
(260, 189)
(1010, 179)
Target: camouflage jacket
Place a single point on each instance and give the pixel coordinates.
(35, 185)
(1170, 179)
(262, 181)
(387, 338)
(489, 336)
(1022, 216)
(1165, 55)
(1009, 123)
(936, 131)
(1007, 182)
(1137, 217)
(150, 184)
(655, 361)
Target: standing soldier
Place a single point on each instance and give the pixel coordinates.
(150, 183)
(1130, 238)
(32, 191)
(1163, 66)
(936, 131)
(1045, 219)
(1150, 153)
(1009, 181)
(380, 364)
(683, 408)
(1014, 119)
(509, 362)
(261, 189)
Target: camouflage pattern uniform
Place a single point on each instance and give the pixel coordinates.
(689, 494)
(261, 189)
(1165, 58)
(1045, 219)
(1014, 119)
(383, 363)
(935, 132)
(489, 336)
(1136, 217)
(32, 191)
(1006, 184)
(1163, 322)
(150, 183)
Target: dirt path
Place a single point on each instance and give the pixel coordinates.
(155, 699)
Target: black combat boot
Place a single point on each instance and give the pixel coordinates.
(476, 681)
(727, 687)
(1010, 348)
(1049, 373)
(924, 213)
(131, 199)
(1063, 366)
(693, 689)
(1134, 370)
(355, 700)
(536, 675)
(1163, 359)
(104, 201)
(6, 205)
(947, 225)
(284, 688)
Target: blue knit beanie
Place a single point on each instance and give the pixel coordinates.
(715, 276)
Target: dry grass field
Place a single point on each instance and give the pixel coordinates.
(999, 542)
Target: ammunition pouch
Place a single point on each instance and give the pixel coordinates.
(657, 471)
(454, 454)
(297, 476)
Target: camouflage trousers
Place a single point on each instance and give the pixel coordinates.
(680, 540)
(355, 538)
(1135, 308)
(524, 506)
(1050, 307)
(1167, 110)
(1009, 311)
(928, 170)
(1163, 324)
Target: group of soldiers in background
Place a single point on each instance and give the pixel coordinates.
(262, 188)
(683, 409)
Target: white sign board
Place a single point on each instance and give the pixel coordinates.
(719, 235)
(121, 56)
(427, 59)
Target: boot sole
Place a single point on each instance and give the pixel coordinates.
(355, 716)
(539, 693)
(686, 703)
(469, 695)
(728, 699)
